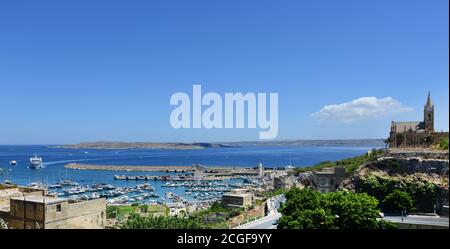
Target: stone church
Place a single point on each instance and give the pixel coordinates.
(416, 134)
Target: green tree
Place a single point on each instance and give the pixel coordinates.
(443, 143)
(305, 209)
(423, 193)
(144, 208)
(135, 221)
(111, 212)
(353, 210)
(308, 219)
(397, 201)
(308, 209)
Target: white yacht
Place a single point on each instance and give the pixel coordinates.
(13, 162)
(36, 162)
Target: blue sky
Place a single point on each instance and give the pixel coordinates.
(73, 71)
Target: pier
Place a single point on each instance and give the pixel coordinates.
(198, 169)
(175, 169)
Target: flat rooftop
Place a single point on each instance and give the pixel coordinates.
(39, 199)
(236, 194)
(326, 170)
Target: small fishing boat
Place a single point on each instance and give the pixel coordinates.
(36, 185)
(68, 183)
(120, 177)
(55, 186)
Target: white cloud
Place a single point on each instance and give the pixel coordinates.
(360, 109)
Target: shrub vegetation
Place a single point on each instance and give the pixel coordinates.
(308, 209)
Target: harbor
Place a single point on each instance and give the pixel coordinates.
(144, 193)
(156, 176)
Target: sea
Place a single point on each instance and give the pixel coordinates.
(246, 156)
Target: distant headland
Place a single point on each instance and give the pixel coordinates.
(307, 142)
(155, 145)
(140, 145)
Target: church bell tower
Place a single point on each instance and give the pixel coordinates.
(428, 115)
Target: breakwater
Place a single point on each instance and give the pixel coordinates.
(156, 168)
(130, 168)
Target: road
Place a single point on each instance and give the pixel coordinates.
(420, 219)
(268, 221)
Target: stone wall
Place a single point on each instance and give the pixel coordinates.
(78, 215)
(5, 195)
(423, 153)
(257, 211)
(413, 139)
(25, 215)
(413, 165)
(401, 225)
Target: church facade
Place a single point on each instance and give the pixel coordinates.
(419, 134)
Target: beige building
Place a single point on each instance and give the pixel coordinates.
(283, 182)
(237, 198)
(25, 208)
(329, 179)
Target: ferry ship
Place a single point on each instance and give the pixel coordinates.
(36, 162)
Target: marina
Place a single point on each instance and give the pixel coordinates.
(119, 175)
(153, 178)
(184, 192)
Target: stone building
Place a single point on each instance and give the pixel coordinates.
(26, 208)
(328, 180)
(419, 134)
(283, 182)
(237, 198)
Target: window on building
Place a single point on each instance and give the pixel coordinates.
(58, 207)
(323, 181)
(15, 210)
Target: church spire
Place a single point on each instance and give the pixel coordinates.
(428, 114)
(429, 100)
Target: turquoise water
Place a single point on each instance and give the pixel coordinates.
(56, 158)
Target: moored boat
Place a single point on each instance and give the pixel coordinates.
(120, 177)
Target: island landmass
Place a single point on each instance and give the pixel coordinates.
(139, 145)
(205, 145)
